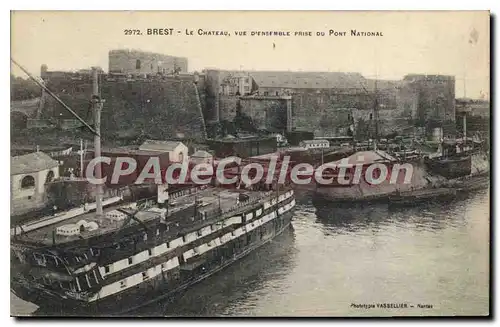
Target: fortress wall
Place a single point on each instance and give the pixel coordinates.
(157, 108)
(266, 112)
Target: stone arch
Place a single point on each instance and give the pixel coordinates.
(28, 181)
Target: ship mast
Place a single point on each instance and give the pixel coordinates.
(97, 103)
(97, 107)
(464, 117)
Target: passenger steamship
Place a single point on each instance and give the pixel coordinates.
(128, 258)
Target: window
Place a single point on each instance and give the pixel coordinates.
(137, 64)
(87, 280)
(150, 252)
(107, 269)
(145, 275)
(50, 177)
(94, 277)
(266, 93)
(130, 260)
(123, 283)
(371, 116)
(28, 182)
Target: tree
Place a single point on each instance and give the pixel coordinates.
(23, 89)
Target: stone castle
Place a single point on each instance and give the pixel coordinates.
(153, 95)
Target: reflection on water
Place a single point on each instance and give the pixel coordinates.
(333, 257)
(378, 216)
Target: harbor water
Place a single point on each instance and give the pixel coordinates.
(358, 261)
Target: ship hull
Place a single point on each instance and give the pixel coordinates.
(450, 168)
(423, 196)
(364, 192)
(159, 288)
(417, 196)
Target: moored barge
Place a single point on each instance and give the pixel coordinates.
(422, 196)
(356, 187)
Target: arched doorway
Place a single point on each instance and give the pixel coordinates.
(28, 181)
(50, 177)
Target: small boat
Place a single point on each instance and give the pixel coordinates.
(422, 195)
(473, 183)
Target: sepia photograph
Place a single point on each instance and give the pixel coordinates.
(250, 164)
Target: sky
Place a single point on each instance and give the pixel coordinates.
(449, 43)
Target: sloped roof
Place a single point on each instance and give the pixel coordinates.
(201, 154)
(158, 145)
(305, 80)
(30, 163)
(315, 141)
(368, 157)
(129, 150)
(315, 80)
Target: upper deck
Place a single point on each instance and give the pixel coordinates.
(180, 209)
